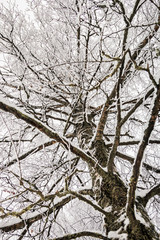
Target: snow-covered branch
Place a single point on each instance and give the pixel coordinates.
(81, 234)
(138, 160)
(151, 193)
(50, 133)
(20, 222)
(34, 150)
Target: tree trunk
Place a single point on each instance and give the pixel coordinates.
(110, 192)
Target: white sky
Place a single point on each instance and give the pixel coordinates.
(21, 3)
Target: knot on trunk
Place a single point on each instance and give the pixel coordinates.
(101, 152)
(84, 125)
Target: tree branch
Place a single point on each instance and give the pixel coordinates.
(51, 134)
(136, 53)
(154, 191)
(141, 100)
(34, 150)
(21, 223)
(80, 197)
(131, 160)
(138, 160)
(134, 142)
(81, 234)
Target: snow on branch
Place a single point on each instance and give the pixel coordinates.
(19, 222)
(28, 118)
(23, 156)
(81, 234)
(149, 194)
(138, 160)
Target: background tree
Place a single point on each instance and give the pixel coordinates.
(79, 100)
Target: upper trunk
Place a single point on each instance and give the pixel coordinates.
(110, 192)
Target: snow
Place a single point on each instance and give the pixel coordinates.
(14, 220)
(141, 193)
(4, 101)
(27, 215)
(66, 141)
(126, 223)
(157, 75)
(140, 218)
(115, 234)
(108, 209)
(122, 217)
(9, 222)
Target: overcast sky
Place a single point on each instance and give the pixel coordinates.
(21, 3)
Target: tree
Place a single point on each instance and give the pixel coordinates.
(79, 100)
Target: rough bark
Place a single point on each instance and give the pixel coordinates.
(110, 191)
